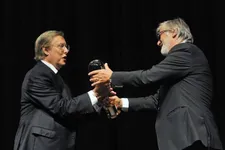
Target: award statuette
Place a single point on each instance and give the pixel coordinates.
(98, 64)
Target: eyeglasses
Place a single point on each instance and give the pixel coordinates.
(63, 46)
(161, 32)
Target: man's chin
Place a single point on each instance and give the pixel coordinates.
(164, 53)
(62, 63)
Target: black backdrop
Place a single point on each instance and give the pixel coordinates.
(120, 32)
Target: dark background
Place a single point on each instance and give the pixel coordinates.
(119, 32)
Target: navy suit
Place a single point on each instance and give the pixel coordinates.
(183, 101)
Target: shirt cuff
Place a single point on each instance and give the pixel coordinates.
(93, 98)
(125, 104)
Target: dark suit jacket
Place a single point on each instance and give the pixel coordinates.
(48, 112)
(183, 100)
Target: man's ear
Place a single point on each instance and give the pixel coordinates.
(45, 50)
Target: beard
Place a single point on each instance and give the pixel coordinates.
(165, 49)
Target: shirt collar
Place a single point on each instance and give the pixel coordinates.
(50, 66)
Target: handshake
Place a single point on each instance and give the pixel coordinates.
(103, 89)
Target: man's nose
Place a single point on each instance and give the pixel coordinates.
(159, 43)
(66, 50)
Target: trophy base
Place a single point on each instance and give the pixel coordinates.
(111, 112)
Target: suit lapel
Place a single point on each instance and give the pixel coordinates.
(63, 87)
(58, 81)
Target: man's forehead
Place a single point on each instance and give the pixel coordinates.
(58, 39)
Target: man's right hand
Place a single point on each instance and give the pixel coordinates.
(103, 90)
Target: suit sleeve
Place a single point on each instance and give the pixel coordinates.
(43, 93)
(144, 103)
(175, 66)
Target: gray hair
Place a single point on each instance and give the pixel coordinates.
(44, 40)
(179, 25)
